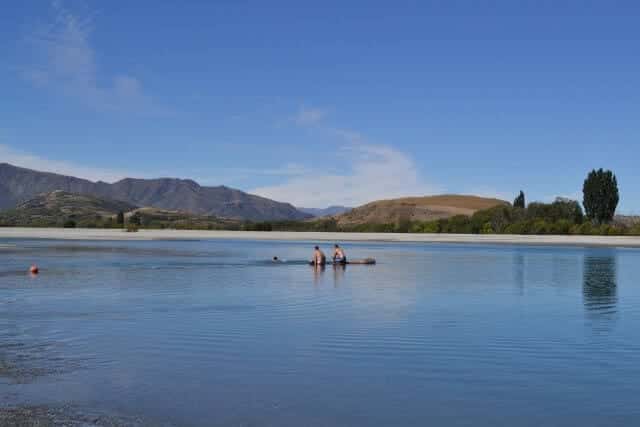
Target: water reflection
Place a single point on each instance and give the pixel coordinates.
(518, 272)
(338, 274)
(318, 271)
(599, 286)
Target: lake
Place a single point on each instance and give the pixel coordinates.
(212, 333)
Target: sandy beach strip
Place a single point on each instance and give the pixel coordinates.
(114, 234)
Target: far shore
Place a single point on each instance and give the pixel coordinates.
(116, 234)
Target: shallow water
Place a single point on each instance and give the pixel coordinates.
(212, 333)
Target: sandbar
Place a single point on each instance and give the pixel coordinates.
(489, 239)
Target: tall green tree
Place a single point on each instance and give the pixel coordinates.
(120, 218)
(519, 201)
(601, 195)
(135, 219)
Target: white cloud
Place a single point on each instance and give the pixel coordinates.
(65, 62)
(309, 116)
(30, 161)
(375, 172)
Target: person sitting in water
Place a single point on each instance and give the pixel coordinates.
(276, 259)
(339, 257)
(319, 257)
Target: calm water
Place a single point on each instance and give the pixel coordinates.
(211, 333)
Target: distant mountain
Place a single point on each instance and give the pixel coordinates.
(416, 209)
(330, 211)
(19, 184)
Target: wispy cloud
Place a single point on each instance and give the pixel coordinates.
(374, 172)
(65, 62)
(371, 171)
(309, 116)
(30, 161)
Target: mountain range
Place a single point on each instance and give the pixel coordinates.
(19, 185)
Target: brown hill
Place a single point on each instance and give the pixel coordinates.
(416, 209)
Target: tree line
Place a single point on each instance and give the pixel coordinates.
(563, 216)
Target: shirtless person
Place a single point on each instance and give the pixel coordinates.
(318, 257)
(339, 257)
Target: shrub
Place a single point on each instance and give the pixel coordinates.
(540, 227)
(416, 227)
(560, 209)
(561, 227)
(135, 219)
(515, 228)
(431, 227)
(586, 228)
(487, 228)
(131, 228)
(402, 226)
(575, 229)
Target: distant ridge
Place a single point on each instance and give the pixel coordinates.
(19, 184)
(427, 208)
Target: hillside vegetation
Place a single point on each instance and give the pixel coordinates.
(63, 209)
(59, 208)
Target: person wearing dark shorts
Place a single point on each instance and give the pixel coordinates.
(339, 257)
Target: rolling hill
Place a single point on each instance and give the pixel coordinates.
(20, 184)
(416, 209)
(57, 208)
(53, 209)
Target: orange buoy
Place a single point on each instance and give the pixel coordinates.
(34, 269)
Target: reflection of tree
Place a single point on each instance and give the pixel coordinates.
(599, 286)
(518, 271)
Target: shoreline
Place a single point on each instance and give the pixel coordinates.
(168, 235)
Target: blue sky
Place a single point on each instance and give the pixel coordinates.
(328, 102)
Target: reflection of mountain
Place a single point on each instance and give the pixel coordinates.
(599, 286)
